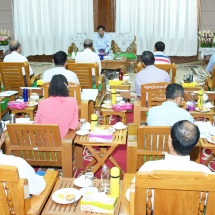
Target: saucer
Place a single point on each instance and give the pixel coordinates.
(119, 126)
(82, 132)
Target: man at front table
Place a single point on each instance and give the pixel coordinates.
(101, 41)
(211, 63)
(36, 183)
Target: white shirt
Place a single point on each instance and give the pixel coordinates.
(16, 57)
(167, 114)
(70, 76)
(88, 56)
(36, 183)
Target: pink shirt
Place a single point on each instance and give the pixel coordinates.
(58, 110)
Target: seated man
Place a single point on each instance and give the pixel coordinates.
(88, 56)
(15, 56)
(36, 183)
(101, 41)
(150, 73)
(211, 63)
(60, 61)
(169, 112)
(160, 57)
(183, 138)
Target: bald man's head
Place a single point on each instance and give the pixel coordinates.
(14, 45)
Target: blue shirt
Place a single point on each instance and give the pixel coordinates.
(167, 114)
(211, 63)
(102, 43)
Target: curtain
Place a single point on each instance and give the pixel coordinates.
(47, 26)
(172, 21)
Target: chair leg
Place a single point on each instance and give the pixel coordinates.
(210, 158)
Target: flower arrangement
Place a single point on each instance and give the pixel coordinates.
(4, 37)
(206, 38)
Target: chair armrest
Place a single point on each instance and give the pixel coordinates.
(209, 81)
(67, 152)
(34, 77)
(38, 202)
(6, 144)
(132, 149)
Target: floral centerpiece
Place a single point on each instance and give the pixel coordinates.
(4, 37)
(206, 38)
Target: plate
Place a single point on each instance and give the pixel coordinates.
(82, 132)
(59, 196)
(105, 106)
(210, 140)
(205, 109)
(119, 126)
(31, 105)
(80, 182)
(88, 190)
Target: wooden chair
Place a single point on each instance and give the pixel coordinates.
(14, 194)
(169, 68)
(145, 143)
(41, 145)
(173, 192)
(12, 77)
(84, 73)
(85, 107)
(152, 94)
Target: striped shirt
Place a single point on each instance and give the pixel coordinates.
(160, 58)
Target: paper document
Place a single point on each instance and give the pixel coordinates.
(89, 94)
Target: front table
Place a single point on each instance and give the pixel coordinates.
(115, 64)
(105, 148)
(52, 208)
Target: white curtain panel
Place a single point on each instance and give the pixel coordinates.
(47, 26)
(172, 21)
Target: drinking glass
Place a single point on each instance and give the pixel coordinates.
(89, 179)
(83, 124)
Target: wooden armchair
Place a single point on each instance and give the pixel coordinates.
(173, 192)
(85, 107)
(84, 73)
(169, 68)
(211, 80)
(145, 143)
(14, 194)
(152, 94)
(41, 145)
(12, 77)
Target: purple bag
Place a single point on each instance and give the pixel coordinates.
(16, 105)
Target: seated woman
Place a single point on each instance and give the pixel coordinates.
(59, 108)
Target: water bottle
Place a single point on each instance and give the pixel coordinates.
(25, 94)
(105, 179)
(114, 181)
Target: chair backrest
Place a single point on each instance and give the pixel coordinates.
(12, 77)
(211, 80)
(74, 91)
(169, 68)
(14, 194)
(153, 94)
(84, 73)
(152, 143)
(173, 192)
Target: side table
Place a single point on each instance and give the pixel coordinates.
(28, 110)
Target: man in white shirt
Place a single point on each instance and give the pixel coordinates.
(183, 138)
(88, 56)
(15, 56)
(60, 60)
(160, 57)
(36, 183)
(102, 42)
(169, 112)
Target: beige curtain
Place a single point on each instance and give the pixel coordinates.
(199, 4)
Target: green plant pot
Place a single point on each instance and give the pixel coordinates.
(206, 45)
(3, 43)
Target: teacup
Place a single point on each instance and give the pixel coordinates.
(126, 77)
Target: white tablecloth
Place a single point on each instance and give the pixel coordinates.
(206, 51)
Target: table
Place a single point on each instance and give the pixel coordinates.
(52, 208)
(105, 148)
(108, 112)
(124, 203)
(115, 64)
(206, 51)
(208, 115)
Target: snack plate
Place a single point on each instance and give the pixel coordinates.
(210, 140)
(59, 196)
(204, 109)
(82, 132)
(31, 105)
